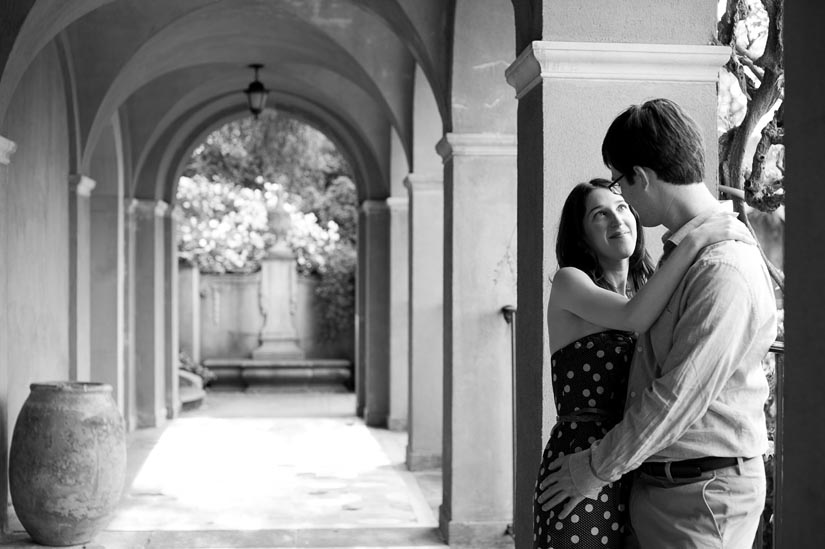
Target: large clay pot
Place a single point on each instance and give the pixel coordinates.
(67, 464)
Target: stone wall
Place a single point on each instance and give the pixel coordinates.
(230, 318)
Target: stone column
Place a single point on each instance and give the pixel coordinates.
(360, 369)
(107, 295)
(149, 313)
(555, 83)
(171, 216)
(479, 279)
(130, 318)
(800, 489)
(189, 303)
(279, 338)
(399, 312)
(426, 306)
(7, 148)
(80, 188)
(376, 312)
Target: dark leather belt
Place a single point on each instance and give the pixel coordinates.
(688, 468)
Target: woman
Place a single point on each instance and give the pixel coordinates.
(591, 322)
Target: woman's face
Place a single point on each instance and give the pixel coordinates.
(609, 226)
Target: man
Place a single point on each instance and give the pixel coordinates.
(694, 426)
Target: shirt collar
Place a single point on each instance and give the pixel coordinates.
(675, 237)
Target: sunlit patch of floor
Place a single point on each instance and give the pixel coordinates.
(259, 473)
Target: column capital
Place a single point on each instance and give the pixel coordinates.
(7, 148)
(614, 61)
(148, 206)
(398, 203)
(476, 144)
(374, 206)
(176, 213)
(416, 182)
(81, 184)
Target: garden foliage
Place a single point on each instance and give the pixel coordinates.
(253, 183)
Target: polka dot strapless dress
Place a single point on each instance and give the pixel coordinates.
(589, 384)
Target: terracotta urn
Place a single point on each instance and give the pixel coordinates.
(67, 463)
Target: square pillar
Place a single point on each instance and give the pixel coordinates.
(80, 188)
(376, 313)
(800, 490)
(360, 368)
(107, 295)
(479, 279)
(149, 313)
(426, 321)
(7, 148)
(189, 307)
(171, 309)
(399, 312)
(558, 147)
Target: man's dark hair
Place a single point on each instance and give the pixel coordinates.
(658, 135)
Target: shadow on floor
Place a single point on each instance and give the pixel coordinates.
(279, 467)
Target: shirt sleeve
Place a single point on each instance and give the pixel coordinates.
(714, 330)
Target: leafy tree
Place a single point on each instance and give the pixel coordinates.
(751, 109)
(253, 182)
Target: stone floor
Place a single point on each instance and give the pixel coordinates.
(283, 468)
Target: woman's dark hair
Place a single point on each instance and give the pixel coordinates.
(659, 135)
(572, 249)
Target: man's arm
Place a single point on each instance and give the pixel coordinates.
(714, 330)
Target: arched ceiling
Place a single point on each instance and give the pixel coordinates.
(171, 68)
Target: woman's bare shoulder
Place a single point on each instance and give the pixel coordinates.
(567, 280)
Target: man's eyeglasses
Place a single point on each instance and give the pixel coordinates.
(613, 186)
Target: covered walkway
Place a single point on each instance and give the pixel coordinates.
(271, 468)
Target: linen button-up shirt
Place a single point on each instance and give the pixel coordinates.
(696, 387)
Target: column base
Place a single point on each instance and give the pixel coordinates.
(146, 420)
(397, 424)
(422, 461)
(472, 535)
(375, 419)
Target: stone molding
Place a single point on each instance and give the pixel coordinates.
(398, 203)
(81, 184)
(614, 61)
(374, 206)
(145, 206)
(7, 148)
(424, 182)
(476, 144)
(176, 213)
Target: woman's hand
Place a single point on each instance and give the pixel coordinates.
(718, 229)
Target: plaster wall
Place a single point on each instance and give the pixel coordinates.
(677, 22)
(482, 102)
(36, 224)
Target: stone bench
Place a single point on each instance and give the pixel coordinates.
(249, 371)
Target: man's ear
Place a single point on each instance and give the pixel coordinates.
(643, 176)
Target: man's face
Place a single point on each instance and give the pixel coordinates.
(636, 197)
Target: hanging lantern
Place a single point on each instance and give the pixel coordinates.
(256, 93)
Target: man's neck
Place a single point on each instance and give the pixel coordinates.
(684, 202)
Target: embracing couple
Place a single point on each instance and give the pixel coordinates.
(657, 378)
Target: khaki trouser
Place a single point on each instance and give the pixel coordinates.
(718, 509)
